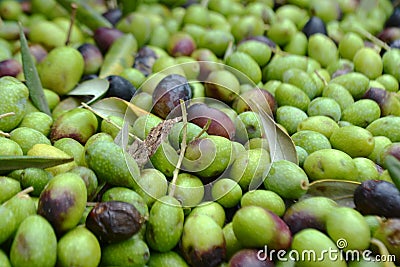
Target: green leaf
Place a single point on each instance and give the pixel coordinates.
(341, 191)
(85, 14)
(32, 77)
(114, 106)
(96, 88)
(10, 163)
(281, 145)
(393, 167)
(120, 56)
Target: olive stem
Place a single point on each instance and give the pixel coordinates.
(372, 38)
(107, 119)
(91, 204)
(205, 128)
(4, 134)
(7, 114)
(320, 77)
(183, 149)
(382, 251)
(26, 191)
(72, 21)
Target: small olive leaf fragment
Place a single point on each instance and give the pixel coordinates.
(383, 251)
(393, 166)
(94, 88)
(120, 56)
(141, 151)
(128, 6)
(341, 191)
(10, 163)
(86, 14)
(31, 76)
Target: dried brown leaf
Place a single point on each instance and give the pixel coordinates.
(141, 151)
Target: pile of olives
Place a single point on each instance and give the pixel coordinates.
(199, 133)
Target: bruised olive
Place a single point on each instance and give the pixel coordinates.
(168, 92)
(120, 87)
(250, 257)
(113, 15)
(114, 221)
(377, 197)
(10, 67)
(144, 60)
(314, 25)
(105, 37)
(260, 38)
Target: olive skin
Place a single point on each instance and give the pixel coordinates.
(378, 197)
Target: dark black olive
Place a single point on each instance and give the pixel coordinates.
(120, 87)
(314, 25)
(378, 197)
(394, 19)
(113, 15)
(114, 221)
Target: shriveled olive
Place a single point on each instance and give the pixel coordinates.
(114, 221)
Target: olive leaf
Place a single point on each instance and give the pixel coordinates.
(86, 14)
(141, 151)
(114, 106)
(10, 163)
(341, 191)
(119, 56)
(94, 88)
(32, 79)
(281, 145)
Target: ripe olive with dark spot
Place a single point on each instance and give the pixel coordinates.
(114, 221)
(168, 93)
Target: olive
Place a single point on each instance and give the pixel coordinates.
(114, 221)
(377, 197)
(120, 87)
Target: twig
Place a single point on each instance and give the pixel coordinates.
(4, 134)
(321, 78)
(25, 191)
(372, 38)
(205, 129)
(7, 115)
(72, 21)
(107, 119)
(182, 152)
